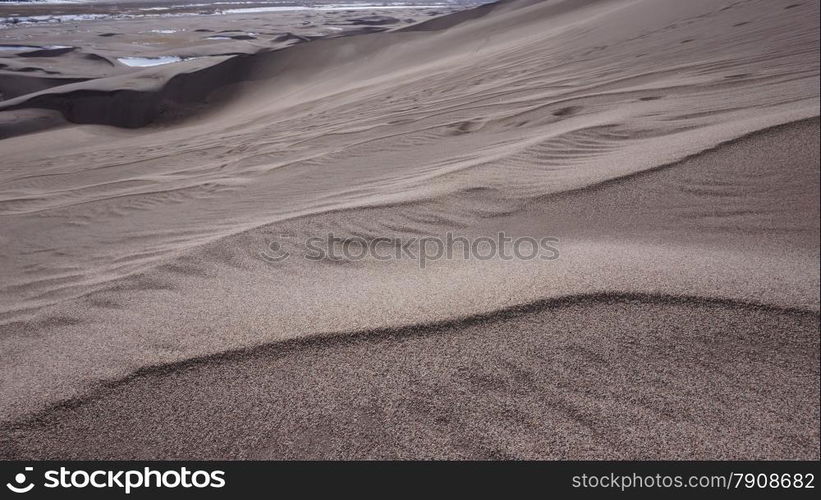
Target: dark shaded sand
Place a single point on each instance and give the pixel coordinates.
(621, 377)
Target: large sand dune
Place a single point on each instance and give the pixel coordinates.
(671, 147)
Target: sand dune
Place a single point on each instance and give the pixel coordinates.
(124, 39)
(566, 379)
(671, 148)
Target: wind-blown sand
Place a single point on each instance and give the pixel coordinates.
(671, 147)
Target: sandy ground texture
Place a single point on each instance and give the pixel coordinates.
(671, 149)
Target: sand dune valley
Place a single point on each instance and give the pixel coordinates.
(566, 229)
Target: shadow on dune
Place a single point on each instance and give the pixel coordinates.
(596, 376)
